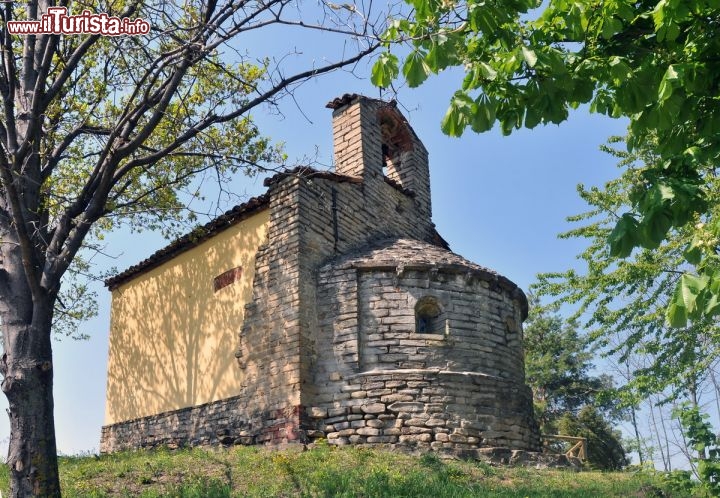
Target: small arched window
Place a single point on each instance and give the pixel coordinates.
(428, 316)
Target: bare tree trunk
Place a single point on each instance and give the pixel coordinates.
(713, 378)
(27, 369)
(694, 399)
(628, 376)
(32, 454)
(637, 435)
(666, 463)
(667, 441)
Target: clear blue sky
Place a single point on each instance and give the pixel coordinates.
(499, 201)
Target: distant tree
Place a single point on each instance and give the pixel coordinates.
(623, 302)
(98, 132)
(604, 444)
(557, 369)
(568, 399)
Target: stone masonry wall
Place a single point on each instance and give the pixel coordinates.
(455, 413)
(339, 218)
(330, 350)
(378, 381)
(479, 324)
(269, 351)
(219, 422)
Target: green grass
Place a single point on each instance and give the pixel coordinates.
(327, 472)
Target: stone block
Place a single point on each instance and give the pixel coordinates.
(457, 438)
(435, 422)
(409, 407)
(373, 408)
(368, 431)
(381, 439)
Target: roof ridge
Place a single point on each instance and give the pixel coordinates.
(191, 239)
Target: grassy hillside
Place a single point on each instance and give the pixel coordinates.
(328, 472)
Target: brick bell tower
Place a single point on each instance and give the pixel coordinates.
(372, 140)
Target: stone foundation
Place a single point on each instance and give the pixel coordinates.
(454, 412)
(220, 422)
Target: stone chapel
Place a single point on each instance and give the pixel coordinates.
(329, 307)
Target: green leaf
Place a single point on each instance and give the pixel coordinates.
(676, 315)
(415, 69)
(690, 288)
(482, 19)
(486, 71)
(667, 84)
(483, 117)
(693, 255)
(654, 227)
(533, 116)
(623, 238)
(384, 70)
(457, 116)
(665, 90)
(714, 285)
(693, 252)
(583, 90)
(452, 123)
(611, 26)
(423, 9)
(438, 57)
(712, 307)
(477, 75)
(619, 69)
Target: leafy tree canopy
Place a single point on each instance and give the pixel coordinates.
(557, 368)
(99, 131)
(528, 62)
(604, 447)
(623, 302)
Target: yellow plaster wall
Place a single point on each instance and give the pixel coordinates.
(172, 337)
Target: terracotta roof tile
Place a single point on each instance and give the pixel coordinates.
(345, 99)
(307, 172)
